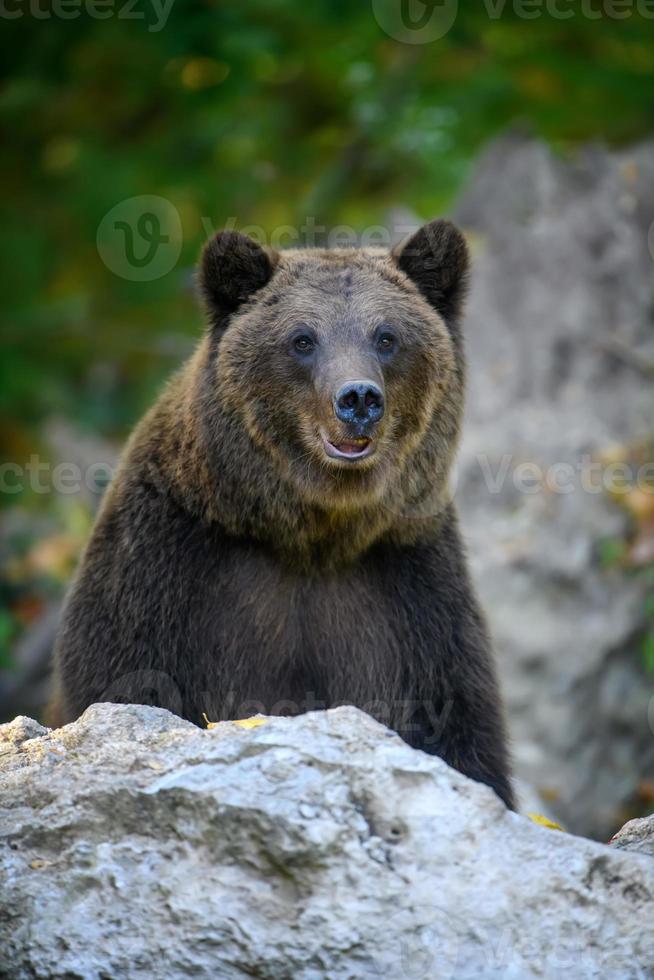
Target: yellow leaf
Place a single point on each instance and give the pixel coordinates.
(544, 821)
(255, 722)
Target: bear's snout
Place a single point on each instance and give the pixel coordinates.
(360, 402)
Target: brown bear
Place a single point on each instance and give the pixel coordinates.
(280, 534)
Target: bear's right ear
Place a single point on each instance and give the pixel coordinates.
(232, 268)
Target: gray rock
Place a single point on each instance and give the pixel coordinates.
(18, 731)
(637, 835)
(135, 845)
(560, 332)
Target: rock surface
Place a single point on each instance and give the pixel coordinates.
(135, 845)
(560, 337)
(637, 835)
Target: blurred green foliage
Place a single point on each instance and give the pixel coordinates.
(264, 112)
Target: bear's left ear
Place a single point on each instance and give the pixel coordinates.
(435, 258)
(232, 268)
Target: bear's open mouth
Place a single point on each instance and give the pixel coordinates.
(350, 449)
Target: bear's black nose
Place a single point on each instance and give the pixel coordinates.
(359, 401)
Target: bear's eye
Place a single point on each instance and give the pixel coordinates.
(385, 342)
(303, 344)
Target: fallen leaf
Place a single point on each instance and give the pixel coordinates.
(544, 821)
(254, 722)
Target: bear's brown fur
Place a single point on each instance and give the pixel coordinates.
(237, 565)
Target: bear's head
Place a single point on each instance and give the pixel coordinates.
(343, 367)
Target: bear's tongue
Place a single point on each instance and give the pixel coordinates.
(353, 448)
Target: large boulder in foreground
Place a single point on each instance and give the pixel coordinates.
(136, 845)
